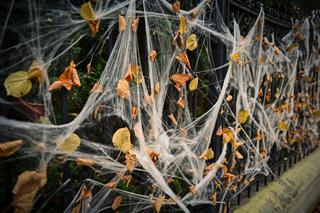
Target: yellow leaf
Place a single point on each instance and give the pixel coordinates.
(229, 98)
(70, 144)
(121, 140)
(235, 57)
(183, 25)
(158, 203)
(192, 43)
(238, 155)
(282, 126)
(87, 12)
(243, 116)
(183, 57)
(227, 135)
(116, 202)
(122, 23)
(9, 148)
(193, 84)
(152, 55)
(26, 188)
(18, 84)
(207, 154)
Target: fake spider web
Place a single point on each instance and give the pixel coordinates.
(258, 99)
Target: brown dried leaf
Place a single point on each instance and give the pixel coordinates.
(116, 202)
(173, 119)
(183, 57)
(84, 195)
(178, 40)
(176, 6)
(123, 89)
(158, 203)
(26, 188)
(131, 161)
(10, 147)
(181, 103)
(183, 28)
(122, 23)
(135, 24)
(85, 162)
(134, 112)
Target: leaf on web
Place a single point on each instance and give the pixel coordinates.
(193, 84)
(157, 88)
(239, 155)
(195, 12)
(123, 89)
(138, 130)
(207, 154)
(152, 55)
(94, 27)
(84, 195)
(158, 203)
(192, 43)
(282, 126)
(36, 72)
(87, 12)
(26, 188)
(229, 98)
(183, 25)
(178, 40)
(173, 119)
(183, 57)
(70, 144)
(97, 88)
(67, 79)
(181, 103)
(134, 112)
(180, 78)
(111, 185)
(135, 24)
(10, 147)
(131, 161)
(122, 23)
(116, 202)
(85, 162)
(243, 116)
(176, 6)
(18, 84)
(121, 140)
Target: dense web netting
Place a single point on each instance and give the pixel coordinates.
(137, 128)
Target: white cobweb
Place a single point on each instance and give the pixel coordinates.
(271, 83)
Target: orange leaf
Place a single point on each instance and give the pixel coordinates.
(9, 148)
(176, 6)
(181, 103)
(111, 185)
(55, 86)
(180, 78)
(157, 88)
(158, 203)
(122, 23)
(94, 27)
(85, 162)
(116, 202)
(84, 195)
(152, 55)
(134, 112)
(173, 119)
(184, 59)
(123, 89)
(134, 26)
